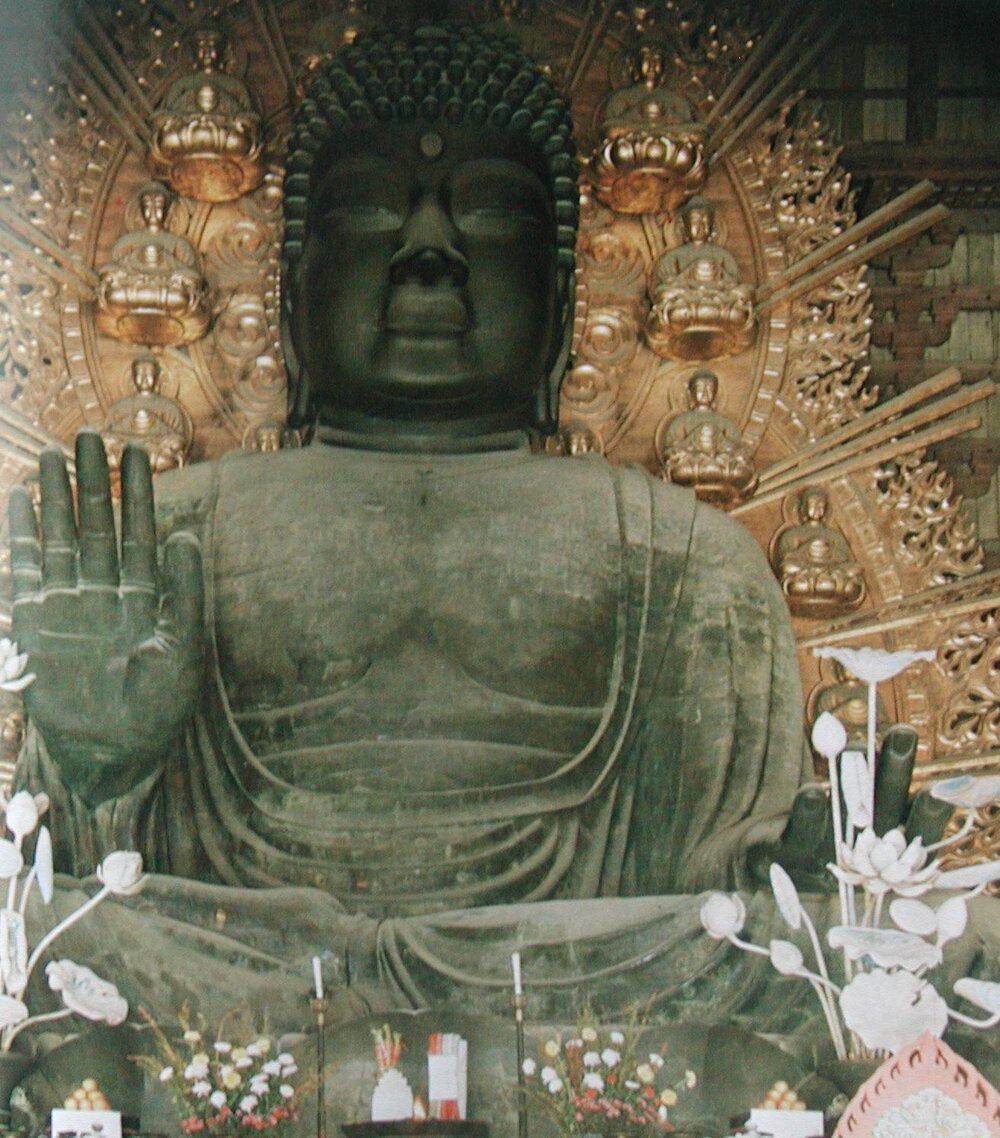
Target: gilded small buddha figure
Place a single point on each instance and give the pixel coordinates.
(814, 565)
(207, 140)
(703, 449)
(847, 698)
(577, 439)
(152, 291)
(652, 152)
(148, 419)
(700, 309)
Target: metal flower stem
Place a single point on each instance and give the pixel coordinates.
(872, 713)
(319, 1007)
(522, 1093)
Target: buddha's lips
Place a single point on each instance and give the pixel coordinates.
(416, 310)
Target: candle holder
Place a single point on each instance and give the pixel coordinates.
(522, 1090)
(319, 1006)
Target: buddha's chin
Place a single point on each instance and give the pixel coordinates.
(425, 368)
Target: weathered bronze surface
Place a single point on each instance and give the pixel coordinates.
(431, 671)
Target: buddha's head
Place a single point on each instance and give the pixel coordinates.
(154, 201)
(813, 504)
(703, 387)
(698, 220)
(145, 373)
(430, 205)
(208, 45)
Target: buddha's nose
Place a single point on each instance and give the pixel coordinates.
(430, 253)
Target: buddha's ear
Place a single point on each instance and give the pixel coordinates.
(547, 407)
(300, 412)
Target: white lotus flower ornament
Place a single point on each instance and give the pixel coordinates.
(13, 677)
(968, 791)
(888, 1010)
(723, 915)
(886, 1001)
(873, 665)
(82, 991)
(881, 865)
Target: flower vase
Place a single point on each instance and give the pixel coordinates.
(14, 1065)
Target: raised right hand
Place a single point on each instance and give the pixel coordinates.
(116, 647)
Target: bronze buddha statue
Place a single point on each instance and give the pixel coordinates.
(148, 419)
(441, 696)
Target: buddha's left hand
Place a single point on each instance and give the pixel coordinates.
(806, 845)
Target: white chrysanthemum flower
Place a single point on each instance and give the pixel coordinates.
(655, 1060)
(166, 1074)
(248, 1104)
(222, 1046)
(591, 1059)
(592, 1080)
(617, 1038)
(195, 1071)
(271, 1067)
(554, 1086)
(644, 1073)
(529, 1067)
(217, 1099)
(284, 1058)
(192, 1036)
(588, 1035)
(548, 1074)
(610, 1057)
(200, 1089)
(286, 1091)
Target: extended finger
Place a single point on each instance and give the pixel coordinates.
(138, 521)
(25, 551)
(807, 832)
(182, 607)
(928, 818)
(98, 552)
(58, 525)
(892, 777)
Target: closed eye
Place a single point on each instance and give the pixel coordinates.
(497, 222)
(363, 218)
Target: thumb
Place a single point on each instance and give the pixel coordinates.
(182, 605)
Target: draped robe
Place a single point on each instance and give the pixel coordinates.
(476, 701)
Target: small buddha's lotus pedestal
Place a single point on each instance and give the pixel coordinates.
(650, 172)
